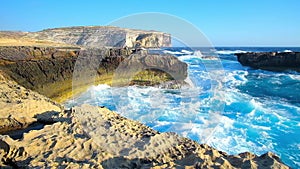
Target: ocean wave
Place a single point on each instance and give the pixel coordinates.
(235, 78)
(251, 121)
(294, 77)
(227, 137)
(100, 87)
(229, 52)
(287, 51)
(188, 57)
(186, 52)
(173, 53)
(182, 52)
(197, 55)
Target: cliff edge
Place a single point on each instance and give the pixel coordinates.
(50, 70)
(100, 36)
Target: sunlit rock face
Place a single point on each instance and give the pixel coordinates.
(99, 36)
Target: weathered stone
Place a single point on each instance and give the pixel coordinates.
(99, 36)
(96, 137)
(271, 60)
(52, 72)
(20, 106)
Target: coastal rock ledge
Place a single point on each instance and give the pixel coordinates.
(271, 60)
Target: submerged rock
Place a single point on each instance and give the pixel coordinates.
(271, 60)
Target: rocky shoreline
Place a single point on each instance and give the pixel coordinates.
(95, 137)
(87, 136)
(274, 61)
(50, 70)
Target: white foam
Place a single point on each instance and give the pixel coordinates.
(173, 53)
(189, 82)
(295, 77)
(261, 128)
(235, 78)
(187, 57)
(256, 104)
(228, 52)
(186, 52)
(234, 140)
(100, 87)
(198, 54)
(288, 51)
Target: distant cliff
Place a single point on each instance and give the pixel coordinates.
(271, 60)
(99, 36)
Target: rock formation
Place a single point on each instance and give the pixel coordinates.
(87, 136)
(100, 36)
(20, 107)
(94, 137)
(271, 60)
(49, 71)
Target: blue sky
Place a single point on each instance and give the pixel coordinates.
(225, 23)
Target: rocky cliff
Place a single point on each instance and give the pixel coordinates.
(99, 36)
(87, 136)
(50, 71)
(271, 60)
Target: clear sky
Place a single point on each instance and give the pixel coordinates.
(224, 22)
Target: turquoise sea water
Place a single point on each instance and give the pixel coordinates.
(240, 109)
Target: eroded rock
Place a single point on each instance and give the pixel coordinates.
(20, 106)
(99, 36)
(271, 60)
(98, 137)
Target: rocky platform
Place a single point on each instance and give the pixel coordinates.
(271, 60)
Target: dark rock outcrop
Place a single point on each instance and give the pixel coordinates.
(271, 60)
(135, 63)
(50, 71)
(100, 36)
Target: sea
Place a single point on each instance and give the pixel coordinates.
(230, 107)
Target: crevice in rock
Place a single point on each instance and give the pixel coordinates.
(18, 134)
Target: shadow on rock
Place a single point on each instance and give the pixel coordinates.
(121, 162)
